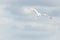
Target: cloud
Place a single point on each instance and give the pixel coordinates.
(15, 25)
(26, 24)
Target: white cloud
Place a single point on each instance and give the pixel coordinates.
(39, 24)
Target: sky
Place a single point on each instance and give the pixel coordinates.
(16, 24)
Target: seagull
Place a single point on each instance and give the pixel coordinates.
(36, 12)
(39, 14)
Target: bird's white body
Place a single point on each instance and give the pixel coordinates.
(37, 13)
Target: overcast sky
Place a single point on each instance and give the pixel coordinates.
(15, 24)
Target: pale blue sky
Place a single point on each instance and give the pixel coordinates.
(17, 25)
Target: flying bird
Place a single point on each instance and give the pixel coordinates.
(34, 10)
